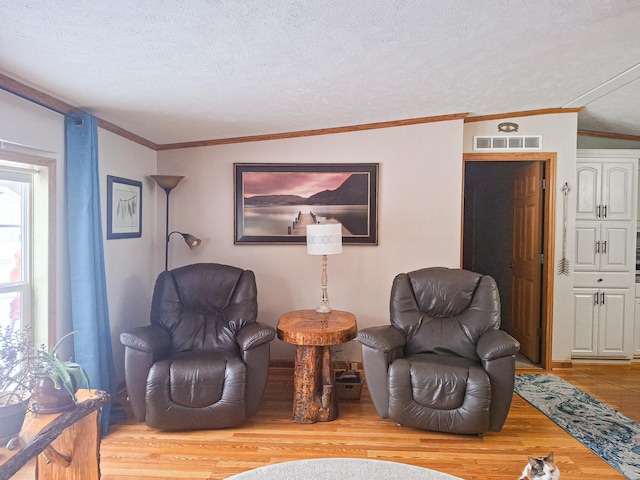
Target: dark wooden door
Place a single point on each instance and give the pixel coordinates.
(526, 261)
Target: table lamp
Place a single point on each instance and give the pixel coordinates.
(324, 239)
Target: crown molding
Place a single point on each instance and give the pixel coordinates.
(52, 103)
(310, 133)
(33, 95)
(523, 113)
(615, 136)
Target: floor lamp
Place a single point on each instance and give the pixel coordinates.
(324, 239)
(168, 183)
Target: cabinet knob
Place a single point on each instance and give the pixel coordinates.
(599, 280)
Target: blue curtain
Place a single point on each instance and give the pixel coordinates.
(90, 312)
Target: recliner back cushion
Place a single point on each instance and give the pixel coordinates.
(444, 310)
(443, 292)
(203, 306)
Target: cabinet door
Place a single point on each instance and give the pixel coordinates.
(617, 191)
(586, 322)
(613, 319)
(588, 194)
(636, 334)
(616, 247)
(587, 257)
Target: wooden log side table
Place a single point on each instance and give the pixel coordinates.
(67, 444)
(313, 334)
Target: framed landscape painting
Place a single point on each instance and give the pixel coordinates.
(275, 202)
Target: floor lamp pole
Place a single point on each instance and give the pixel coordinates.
(167, 183)
(166, 234)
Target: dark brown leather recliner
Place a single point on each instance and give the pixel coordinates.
(203, 361)
(442, 364)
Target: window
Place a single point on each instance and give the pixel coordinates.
(15, 241)
(27, 226)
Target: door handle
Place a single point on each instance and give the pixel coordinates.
(604, 247)
(602, 296)
(598, 246)
(595, 298)
(605, 211)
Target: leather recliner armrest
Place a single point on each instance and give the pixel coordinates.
(385, 338)
(254, 335)
(150, 339)
(143, 346)
(496, 344)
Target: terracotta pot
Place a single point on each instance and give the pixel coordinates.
(11, 417)
(49, 399)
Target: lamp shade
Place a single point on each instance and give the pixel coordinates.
(167, 182)
(192, 241)
(324, 239)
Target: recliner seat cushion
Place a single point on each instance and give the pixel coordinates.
(438, 392)
(196, 379)
(438, 387)
(196, 390)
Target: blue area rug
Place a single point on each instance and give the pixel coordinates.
(612, 436)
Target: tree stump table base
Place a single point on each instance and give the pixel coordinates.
(315, 398)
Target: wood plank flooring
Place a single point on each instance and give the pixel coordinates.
(134, 451)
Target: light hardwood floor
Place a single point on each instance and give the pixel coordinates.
(134, 451)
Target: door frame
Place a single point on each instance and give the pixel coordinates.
(548, 240)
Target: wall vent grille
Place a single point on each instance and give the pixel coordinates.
(508, 142)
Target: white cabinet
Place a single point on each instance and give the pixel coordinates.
(605, 247)
(605, 190)
(605, 253)
(636, 333)
(602, 325)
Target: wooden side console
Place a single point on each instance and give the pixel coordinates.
(67, 444)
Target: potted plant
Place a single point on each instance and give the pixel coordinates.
(16, 353)
(56, 381)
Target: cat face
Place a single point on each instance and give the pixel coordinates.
(542, 469)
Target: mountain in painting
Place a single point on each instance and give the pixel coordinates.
(275, 200)
(353, 191)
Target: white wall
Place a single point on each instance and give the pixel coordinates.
(129, 262)
(559, 135)
(40, 131)
(420, 191)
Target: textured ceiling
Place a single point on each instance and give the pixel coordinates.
(183, 71)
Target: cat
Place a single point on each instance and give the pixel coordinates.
(541, 469)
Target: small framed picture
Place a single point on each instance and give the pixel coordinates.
(124, 208)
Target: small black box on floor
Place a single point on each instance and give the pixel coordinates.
(348, 384)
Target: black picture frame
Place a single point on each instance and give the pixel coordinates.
(124, 208)
(270, 196)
